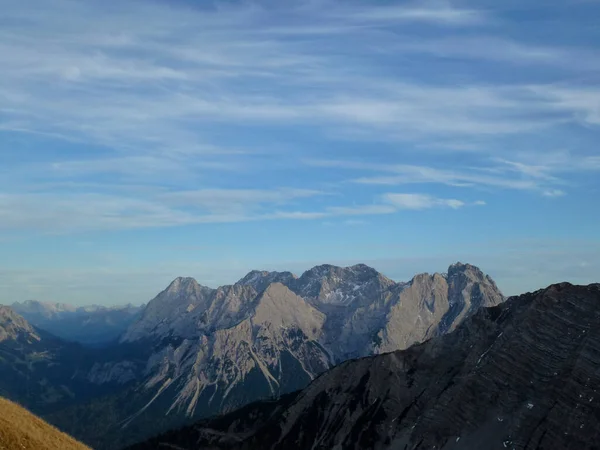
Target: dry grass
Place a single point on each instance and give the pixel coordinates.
(21, 430)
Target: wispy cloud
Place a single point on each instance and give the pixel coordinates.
(183, 115)
(187, 115)
(421, 201)
(71, 212)
(542, 176)
(553, 193)
(412, 174)
(440, 13)
(84, 212)
(121, 84)
(477, 48)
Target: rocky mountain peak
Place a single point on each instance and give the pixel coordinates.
(467, 274)
(8, 315)
(461, 267)
(44, 308)
(13, 326)
(181, 290)
(253, 276)
(260, 279)
(170, 307)
(359, 272)
(28, 303)
(364, 270)
(427, 278)
(321, 271)
(469, 271)
(182, 284)
(328, 284)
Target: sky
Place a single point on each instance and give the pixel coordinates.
(145, 140)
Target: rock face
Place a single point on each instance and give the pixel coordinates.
(202, 351)
(523, 375)
(13, 327)
(89, 325)
(273, 350)
(432, 305)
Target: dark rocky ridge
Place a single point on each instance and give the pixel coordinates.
(520, 375)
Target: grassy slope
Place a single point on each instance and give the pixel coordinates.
(19, 429)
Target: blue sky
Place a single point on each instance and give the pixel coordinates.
(144, 140)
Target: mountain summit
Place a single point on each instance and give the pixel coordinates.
(14, 327)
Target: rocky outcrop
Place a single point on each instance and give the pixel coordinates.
(14, 327)
(520, 375)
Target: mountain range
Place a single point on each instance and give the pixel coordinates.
(195, 352)
(519, 375)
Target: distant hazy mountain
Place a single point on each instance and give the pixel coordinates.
(520, 375)
(91, 325)
(203, 351)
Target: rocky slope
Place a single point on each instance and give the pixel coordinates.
(201, 351)
(19, 429)
(13, 327)
(520, 375)
(90, 325)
